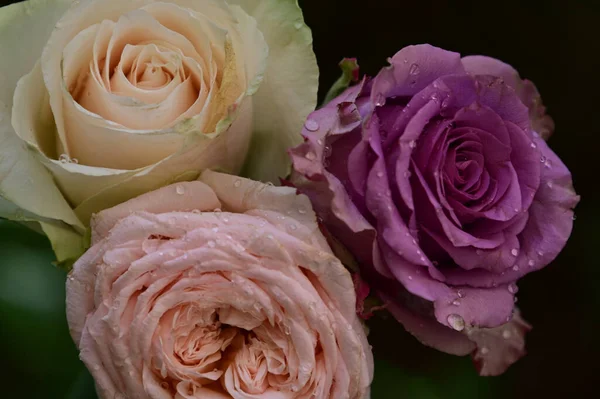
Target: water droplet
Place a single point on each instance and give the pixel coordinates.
(549, 184)
(311, 125)
(456, 322)
(380, 100)
(446, 102)
(327, 151)
(414, 69)
(320, 142)
(211, 244)
(64, 158)
(542, 159)
(512, 288)
(548, 164)
(179, 189)
(217, 212)
(456, 302)
(515, 299)
(302, 210)
(196, 211)
(435, 97)
(485, 351)
(74, 160)
(412, 143)
(531, 262)
(574, 217)
(407, 174)
(298, 25)
(514, 252)
(533, 145)
(460, 293)
(540, 253)
(506, 334)
(379, 174)
(310, 156)
(237, 183)
(515, 268)
(96, 367)
(292, 227)
(410, 277)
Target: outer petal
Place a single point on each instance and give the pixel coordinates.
(24, 29)
(289, 90)
(526, 90)
(498, 348)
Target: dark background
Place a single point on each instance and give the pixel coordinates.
(553, 43)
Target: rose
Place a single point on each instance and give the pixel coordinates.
(122, 97)
(432, 176)
(177, 298)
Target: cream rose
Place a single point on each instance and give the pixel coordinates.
(219, 288)
(120, 97)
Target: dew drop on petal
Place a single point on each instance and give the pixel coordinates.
(456, 302)
(514, 252)
(179, 189)
(379, 174)
(515, 268)
(311, 125)
(414, 69)
(512, 288)
(456, 322)
(380, 100)
(506, 334)
(310, 156)
(549, 184)
(237, 183)
(412, 144)
(485, 351)
(533, 145)
(460, 293)
(531, 262)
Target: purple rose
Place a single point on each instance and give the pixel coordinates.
(436, 176)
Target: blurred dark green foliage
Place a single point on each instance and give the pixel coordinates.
(553, 43)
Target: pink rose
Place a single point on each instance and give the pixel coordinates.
(248, 302)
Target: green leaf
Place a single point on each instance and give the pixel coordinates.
(350, 70)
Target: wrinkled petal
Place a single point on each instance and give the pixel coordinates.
(165, 299)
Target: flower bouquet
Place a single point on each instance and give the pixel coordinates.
(222, 235)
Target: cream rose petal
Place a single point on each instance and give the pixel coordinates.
(289, 91)
(24, 29)
(92, 188)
